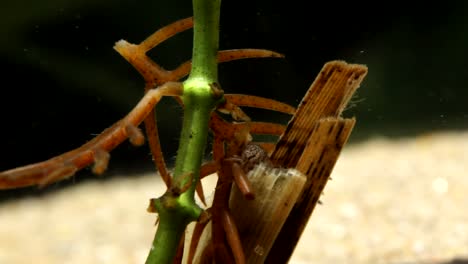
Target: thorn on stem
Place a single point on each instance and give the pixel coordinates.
(152, 209)
(201, 194)
(151, 206)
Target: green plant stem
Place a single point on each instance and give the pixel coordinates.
(176, 210)
(205, 39)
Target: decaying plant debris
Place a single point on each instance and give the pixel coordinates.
(271, 225)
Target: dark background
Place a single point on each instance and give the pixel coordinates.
(62, 83)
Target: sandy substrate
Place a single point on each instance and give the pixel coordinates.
(390, 201)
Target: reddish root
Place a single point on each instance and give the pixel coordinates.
(218, 149)
(180, 251)
(232, 236)
(226, 56)
(259, 102)
(222, 254)
(235, 111)
(165, 33)
(267, 128)
(223, 130)
(135, 135)
(151, 71)
(155, 148)
(65, 165)
(208, 168)
(196, 235)
(205, 170)
(207, 255)
(62, 172)
(101, 160)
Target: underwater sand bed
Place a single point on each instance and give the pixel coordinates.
(390, 201)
